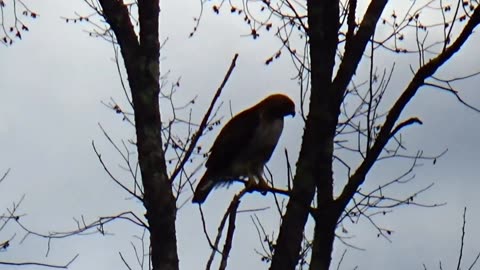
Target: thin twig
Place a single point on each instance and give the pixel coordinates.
(203, 124)
(124, 261)
(65, 266)
(341, 259)
(99, 156)
(4, 175)
(474, 262)
(204, 226)
(460, 254)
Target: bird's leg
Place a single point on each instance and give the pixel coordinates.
(262, 185)
(251, 183)
(257, 182)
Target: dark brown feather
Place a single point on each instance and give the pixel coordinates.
(233, 139)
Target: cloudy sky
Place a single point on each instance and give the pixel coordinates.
(55, 80)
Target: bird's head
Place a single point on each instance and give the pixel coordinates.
(279, 105)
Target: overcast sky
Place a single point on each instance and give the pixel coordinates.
(52, 86)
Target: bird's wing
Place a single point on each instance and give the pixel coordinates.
(234, 139)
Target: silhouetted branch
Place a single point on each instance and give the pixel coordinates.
(65, 266)
(233, 207)
(232, 210)
(203, 124)
(83, 228)
(266, 241)
(474, 262)
(204, 226)
(354, 49)
(99, 156)
(462, 246)
(460, 253)
(455, 93)
(418, 80)
(405, 123)
(4, 175)
(341, 259)
(124, 261)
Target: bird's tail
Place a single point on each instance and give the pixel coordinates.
(204, 187)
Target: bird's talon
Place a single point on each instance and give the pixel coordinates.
(262, 185)
(250, 185)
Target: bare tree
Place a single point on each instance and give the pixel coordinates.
(328, 42)
(141, 57)
(133, 29)
(337, 36)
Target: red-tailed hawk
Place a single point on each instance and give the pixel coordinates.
(244, 145)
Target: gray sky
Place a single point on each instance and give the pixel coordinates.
(54, 80)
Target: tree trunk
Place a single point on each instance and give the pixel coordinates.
(326, 218)
(314, 167)
(141, 58)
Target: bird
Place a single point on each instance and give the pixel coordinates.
(244, 146)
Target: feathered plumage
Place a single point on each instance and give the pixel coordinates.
(245, 144)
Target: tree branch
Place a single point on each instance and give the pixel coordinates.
(203, 124)
(233, 206)
(65, 266)
(417, 81)
(4, 175)
(117, 15)
(405, 123)
(460, 253)
(232, 210)
(355, 48)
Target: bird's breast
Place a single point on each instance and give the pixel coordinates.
(269, 131)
